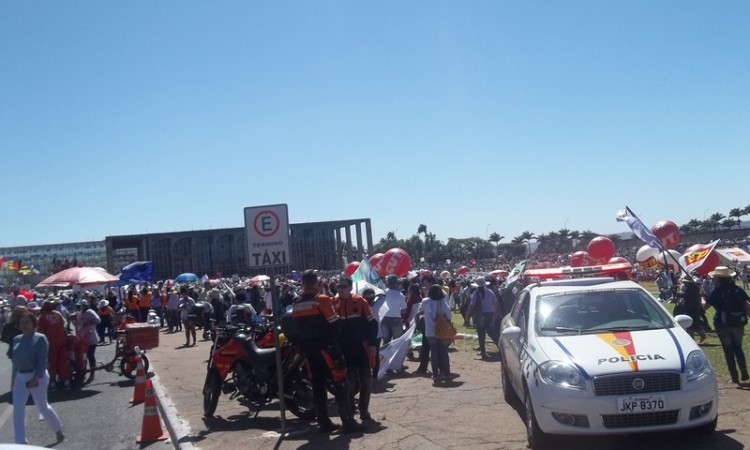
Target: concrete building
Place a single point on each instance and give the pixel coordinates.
(316, 245)
(50, 258)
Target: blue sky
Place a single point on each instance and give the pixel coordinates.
(470, 117)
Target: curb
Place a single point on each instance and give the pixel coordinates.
(179, 430)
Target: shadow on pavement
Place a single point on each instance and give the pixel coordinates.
(674, 440)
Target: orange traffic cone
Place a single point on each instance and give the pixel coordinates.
(151, 429)
(140, 380)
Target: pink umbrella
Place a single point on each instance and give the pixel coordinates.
(499, 273)
(260, 279)
(81, 276)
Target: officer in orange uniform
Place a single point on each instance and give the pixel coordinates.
(52, 325)
(131, 304)
(145, 304)
(359, 334)
(319, 327)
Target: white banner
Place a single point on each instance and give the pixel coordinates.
(392, 354)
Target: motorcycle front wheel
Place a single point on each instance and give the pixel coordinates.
(211, 392)
(299, 396)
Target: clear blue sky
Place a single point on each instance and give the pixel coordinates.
(470, 117)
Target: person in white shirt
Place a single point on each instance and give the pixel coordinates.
(392, 311)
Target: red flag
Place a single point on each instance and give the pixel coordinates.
(694, 260)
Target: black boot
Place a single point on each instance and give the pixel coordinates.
(326, 426)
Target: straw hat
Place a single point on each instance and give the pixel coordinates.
(722, 272)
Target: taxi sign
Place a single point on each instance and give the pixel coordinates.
(267, 233)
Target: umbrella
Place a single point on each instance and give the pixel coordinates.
(260, 279)
(81, 276)
(186, 278)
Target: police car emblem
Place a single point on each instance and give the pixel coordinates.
(620, 342)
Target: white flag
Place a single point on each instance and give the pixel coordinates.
(392, 354)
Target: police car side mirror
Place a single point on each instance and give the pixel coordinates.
(511, 333)
(684, 321)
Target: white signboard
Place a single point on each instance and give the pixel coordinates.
(267, 231)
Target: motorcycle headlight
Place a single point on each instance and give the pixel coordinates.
(696, 365)
(561, 374)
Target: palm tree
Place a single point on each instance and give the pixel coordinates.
(495, 238)
(736, 212)
(390, 236)
(525, 238)
(588, 235)
(715, 220)
(728, 223)
(422, 229)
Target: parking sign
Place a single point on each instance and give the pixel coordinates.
(267, 232)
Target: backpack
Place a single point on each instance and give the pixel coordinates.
(733, 312)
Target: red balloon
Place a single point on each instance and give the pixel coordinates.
(617, 260)
(581, 258)
(394, 262)
(668, 232)
(351, 268)
(462, 270)
(375, 260)
(601, 249)
(709, 264)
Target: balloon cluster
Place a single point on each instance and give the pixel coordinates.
(669, 234)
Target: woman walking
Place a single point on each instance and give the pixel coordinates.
(432, 307)
(31, 378)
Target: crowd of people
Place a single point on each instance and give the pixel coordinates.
(341, 329)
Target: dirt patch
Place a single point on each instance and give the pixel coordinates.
(411, 413)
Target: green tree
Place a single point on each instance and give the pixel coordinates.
(729, 223)
(495, 238)
(715, 220)
(525, 238)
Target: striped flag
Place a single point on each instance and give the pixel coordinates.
(639, 228)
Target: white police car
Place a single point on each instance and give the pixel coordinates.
(594, 356)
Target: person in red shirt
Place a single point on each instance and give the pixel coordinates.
(319, 328)
(359, 333)
(52, 325)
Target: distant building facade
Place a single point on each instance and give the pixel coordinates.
(316, 245)
(51, 258)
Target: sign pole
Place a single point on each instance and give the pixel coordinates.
(267, 233)
(277, 341)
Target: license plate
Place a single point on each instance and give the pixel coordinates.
(641, 403)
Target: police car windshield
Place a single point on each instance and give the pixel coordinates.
(599, 311)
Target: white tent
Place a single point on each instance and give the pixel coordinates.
(732, 256)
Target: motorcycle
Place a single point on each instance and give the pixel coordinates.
(239, 365)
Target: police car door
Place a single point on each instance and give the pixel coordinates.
(515, 347)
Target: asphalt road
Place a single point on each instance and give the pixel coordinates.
(97, 416)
